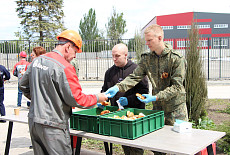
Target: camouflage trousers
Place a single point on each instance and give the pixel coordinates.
(179, 113)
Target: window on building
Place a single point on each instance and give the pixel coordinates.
(184, 27)
(220, 25)
(220, 41)
(167, 27)
(203, 26)
(182, 43)
(203, 43)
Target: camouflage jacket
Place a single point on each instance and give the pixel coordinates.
(166, 74)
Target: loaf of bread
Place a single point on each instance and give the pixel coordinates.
(105, 112)
(140, 96)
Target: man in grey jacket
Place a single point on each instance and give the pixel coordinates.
(53, 87)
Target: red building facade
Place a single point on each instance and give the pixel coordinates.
(210, 25)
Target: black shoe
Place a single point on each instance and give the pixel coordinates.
(31, 147)
(2, 121)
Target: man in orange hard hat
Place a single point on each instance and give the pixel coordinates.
(18, 71)
(52, 85)
(70, 37)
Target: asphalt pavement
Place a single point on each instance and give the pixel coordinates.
(20, 141)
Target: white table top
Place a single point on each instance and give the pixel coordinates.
(21, 118)
(163, 140)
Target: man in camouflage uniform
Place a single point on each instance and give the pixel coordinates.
(165, 69)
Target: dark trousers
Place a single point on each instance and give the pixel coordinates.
(132, 151)
(2, 107)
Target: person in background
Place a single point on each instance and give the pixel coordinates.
(4, 75)
(166, 70)
(18, 71)
(53, 87)
(37, 51)
(120, 70)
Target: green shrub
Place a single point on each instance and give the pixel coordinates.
(195, 82)
(204, 123)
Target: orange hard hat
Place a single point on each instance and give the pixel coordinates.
(23, 54)
(72, 36)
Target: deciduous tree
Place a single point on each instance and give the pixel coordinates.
(116, 25)
(88, 26)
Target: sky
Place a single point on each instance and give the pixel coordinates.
(137, 13)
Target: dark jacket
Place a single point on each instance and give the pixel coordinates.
(5, 75)
(115, 75)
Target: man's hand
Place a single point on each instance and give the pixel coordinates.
(100, 105)
(123, 101)
(111, 92)
(102, 97)
(148, 98)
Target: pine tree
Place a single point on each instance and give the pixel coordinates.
(41, 19)
(196, 87)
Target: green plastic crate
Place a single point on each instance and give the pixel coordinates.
(88, 120)
(131, 129)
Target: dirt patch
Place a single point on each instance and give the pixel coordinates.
(214, 109)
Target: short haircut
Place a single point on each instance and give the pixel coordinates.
(39, 50)
(156, 29)
(122, 47)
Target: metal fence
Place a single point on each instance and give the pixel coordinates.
(96, 57)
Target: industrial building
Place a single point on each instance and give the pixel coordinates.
(214, 27)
